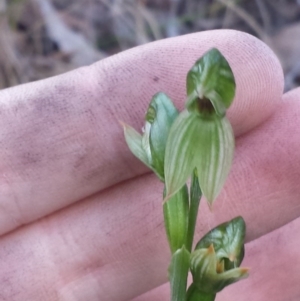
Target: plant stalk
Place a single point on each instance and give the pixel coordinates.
(195, 196)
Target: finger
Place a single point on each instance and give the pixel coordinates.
(87, 269)
(274, 263)
(61, 140)
(113, 245)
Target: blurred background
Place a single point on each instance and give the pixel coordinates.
(42, 38)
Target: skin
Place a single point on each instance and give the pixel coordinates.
(81, 218)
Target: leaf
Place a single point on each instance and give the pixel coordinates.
(212, 78)
(161, 115)
(178, 272)
(194, 294)
(135, 144)
(208, 273)
(176, 217)
(228, 241)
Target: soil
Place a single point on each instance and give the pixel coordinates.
(42, 38)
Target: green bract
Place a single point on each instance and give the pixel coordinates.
(209, 274)
(178, 271)
(228, 241)
(150, 148)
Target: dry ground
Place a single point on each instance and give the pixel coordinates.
(42, 38)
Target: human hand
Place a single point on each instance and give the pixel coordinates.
(81, 218)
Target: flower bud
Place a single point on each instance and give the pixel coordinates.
(209, 274)
(228, 241)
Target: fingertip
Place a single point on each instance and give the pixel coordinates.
(136, 75)
(259, 83)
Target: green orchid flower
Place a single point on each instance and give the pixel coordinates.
(201, 137)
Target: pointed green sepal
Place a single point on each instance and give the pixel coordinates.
(215, 155)
(181, 149)
(161, 114)
(208, 273)
(136, 144)
(204, 143)
(178, 272)
(228, 240)
(210, 80)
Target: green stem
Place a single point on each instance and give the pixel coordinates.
(193, 294)
(176, 214)
(195, 196)
(180, 221)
